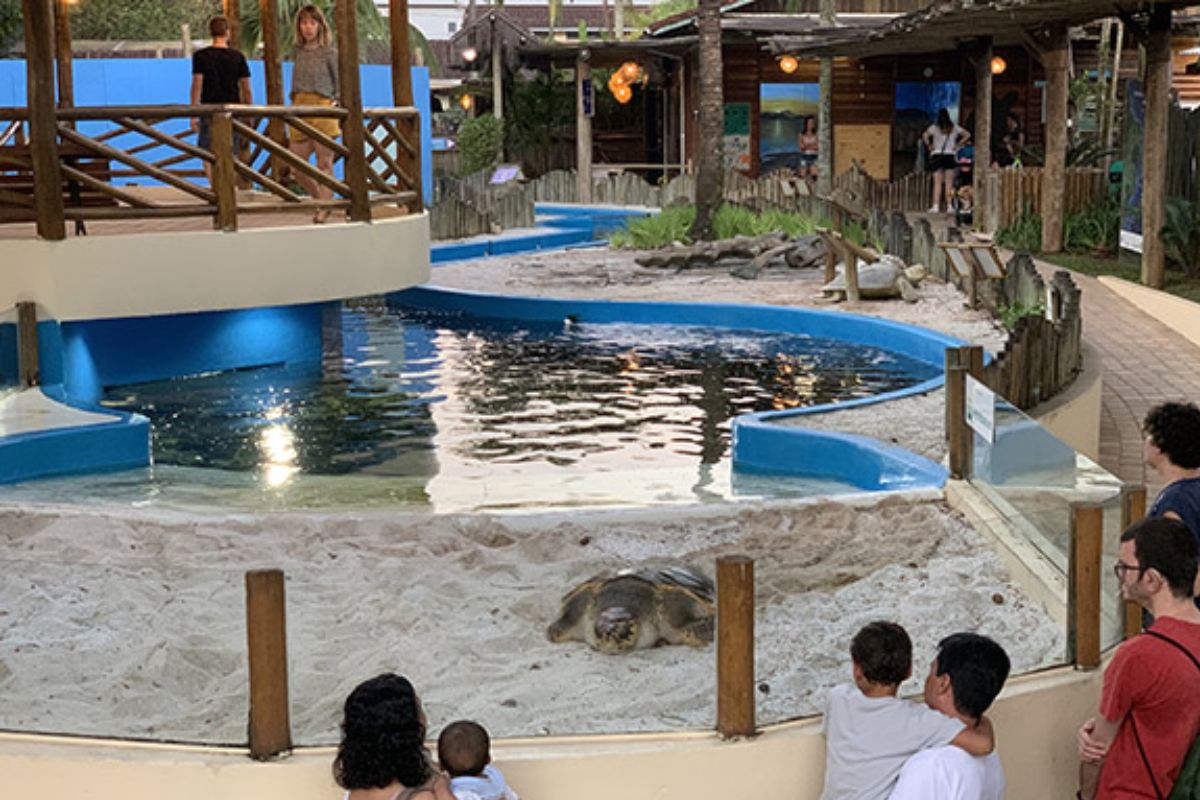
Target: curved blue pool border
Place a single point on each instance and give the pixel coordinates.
(759, 443)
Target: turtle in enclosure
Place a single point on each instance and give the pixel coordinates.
(887, 277)
(638, 608)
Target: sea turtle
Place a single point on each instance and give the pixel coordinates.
(887, 277)
(638, 608)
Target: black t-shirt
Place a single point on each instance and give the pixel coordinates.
(222, 68)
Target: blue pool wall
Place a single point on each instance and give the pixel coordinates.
(759, 443)
(558, 226)
(167, 81)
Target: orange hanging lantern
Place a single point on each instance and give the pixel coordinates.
(466, 101)
(614, 81)
(623, 94)
(630, 71)
(999, 65)
(789, 64)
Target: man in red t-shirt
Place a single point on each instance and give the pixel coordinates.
(1151, 689)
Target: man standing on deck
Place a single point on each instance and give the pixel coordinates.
(1150, 705)
(220, 74)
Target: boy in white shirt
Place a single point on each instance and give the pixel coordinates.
(870, 732)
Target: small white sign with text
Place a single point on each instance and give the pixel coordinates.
(981, 409)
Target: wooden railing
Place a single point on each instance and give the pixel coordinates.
(106, 152)
(1021, 190)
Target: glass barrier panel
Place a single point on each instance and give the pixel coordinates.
(1112, 607)
(10, 377)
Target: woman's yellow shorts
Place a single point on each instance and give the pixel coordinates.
(326, 125)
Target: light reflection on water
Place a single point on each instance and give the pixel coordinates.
(428, 410)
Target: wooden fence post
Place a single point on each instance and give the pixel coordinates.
(27, 345)
(224, 174)
(266, 638)
(354, 135)
(1083, 584)
(735, 646)
(43, 122)
(1133, 509)
(957, 432)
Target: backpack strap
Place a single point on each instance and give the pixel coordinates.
(1133, 724)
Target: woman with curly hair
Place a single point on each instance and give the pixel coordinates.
(1172, 449)
(382, 755)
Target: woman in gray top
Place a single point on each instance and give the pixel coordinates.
(314, 83)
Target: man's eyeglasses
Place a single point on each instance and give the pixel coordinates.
(1120, 568)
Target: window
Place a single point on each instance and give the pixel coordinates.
(451, 27)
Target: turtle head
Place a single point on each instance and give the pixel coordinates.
(616, 631)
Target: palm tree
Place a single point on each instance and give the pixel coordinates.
(372, 29)
(710, 173)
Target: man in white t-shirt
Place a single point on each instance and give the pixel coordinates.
(964, 678)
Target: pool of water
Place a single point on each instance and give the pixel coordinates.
(430, 409)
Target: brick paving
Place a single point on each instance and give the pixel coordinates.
(1145, 363)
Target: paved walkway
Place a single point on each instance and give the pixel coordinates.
(1145, 363)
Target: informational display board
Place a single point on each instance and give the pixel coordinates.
(737, 136)
(869, 145)
(981, 409)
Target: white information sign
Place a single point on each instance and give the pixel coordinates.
(981, 409)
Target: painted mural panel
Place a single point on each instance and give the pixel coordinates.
(784, 110)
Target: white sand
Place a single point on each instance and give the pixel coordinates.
(132, 623)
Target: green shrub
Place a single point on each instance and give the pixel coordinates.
(661, 230)
(479, 144)
(1024, 234)
(673, 224)
(1181, 234)
(1010, 314)
(1095, 229)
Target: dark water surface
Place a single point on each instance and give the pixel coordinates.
(427, 398)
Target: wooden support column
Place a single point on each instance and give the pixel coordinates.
(62, 54)
(268, 15)
(583, 130)
(1154, 147)
(958, 435)
(402, 93)
(735, 646)
(231, 10)
(224, 174)
(266, 640)
(353, 134)
(1083, 585)
(497, 70)
(1133, 509)
(1054, 176)
(828, 19)
(983, 130)
(28, 369)
(43, 122)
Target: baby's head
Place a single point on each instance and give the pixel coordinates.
(882, 654)
(464, 749)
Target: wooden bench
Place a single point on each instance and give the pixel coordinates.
(972, 262)
(79, 190)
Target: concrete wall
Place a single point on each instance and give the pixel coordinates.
(102, 277)
(1035, 720)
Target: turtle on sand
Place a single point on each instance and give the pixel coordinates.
(887, 277)
(638, 608)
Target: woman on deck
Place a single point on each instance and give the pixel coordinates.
(314, 83)
(810, 147)
(942, 140)
(382, 754)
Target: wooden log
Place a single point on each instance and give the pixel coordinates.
(1083, 586)
(43, 146)
(1057, 64)
(583, 132)
(1154, 148)
(983, 129)
(266, 638)
(137, 164)
(104, 187)
(158, 137)
(268, 16)
(956, 417)
(353, 133)
(231, 10)
(735, 646)
(28, 366)
(291, 159)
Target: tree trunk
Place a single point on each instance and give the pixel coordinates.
(710, 172)
(828, 19)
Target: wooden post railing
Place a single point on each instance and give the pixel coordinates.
(1083, 584)
(47, 178)
(353, 133)
(735, 646)
(266, 638)
(224, 173)
(1133, 509)
(958, 435)
(27, 345)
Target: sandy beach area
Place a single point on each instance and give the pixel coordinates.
(130, 622)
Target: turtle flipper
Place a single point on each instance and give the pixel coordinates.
(574, 606)
(687, 619)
